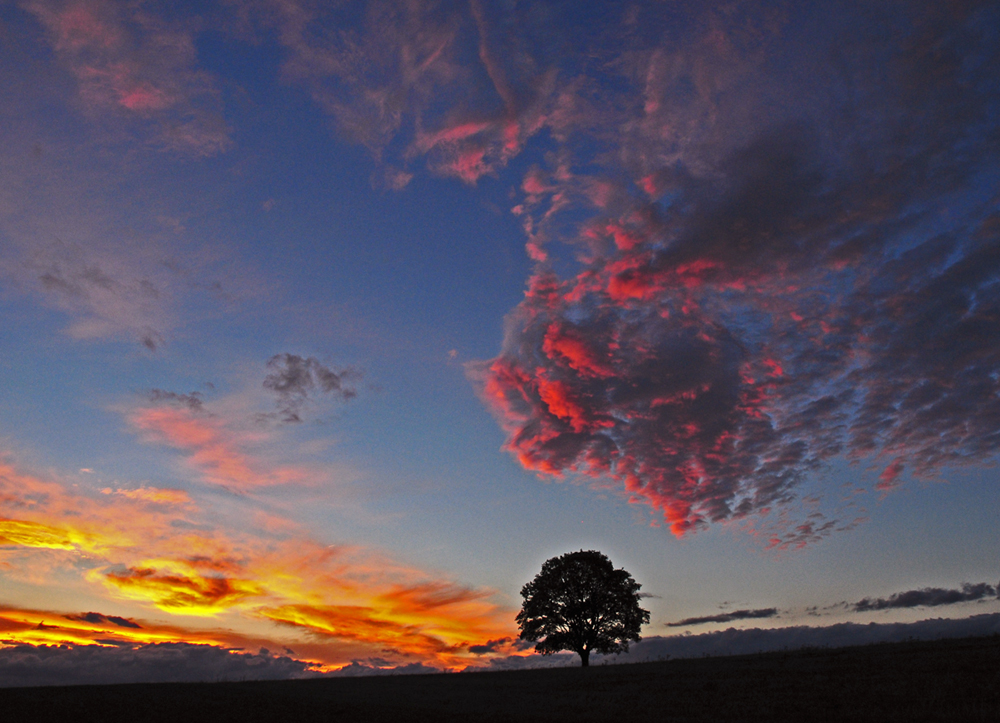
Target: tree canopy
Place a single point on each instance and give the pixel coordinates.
(580, 602)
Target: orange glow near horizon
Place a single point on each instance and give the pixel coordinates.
(156, 549)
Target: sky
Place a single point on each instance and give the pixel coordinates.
(324, 324)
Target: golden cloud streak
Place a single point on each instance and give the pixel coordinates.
(185, 593)
(46, 627)
(32, 534)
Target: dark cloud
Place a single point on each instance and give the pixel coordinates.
(928, 597)
(740, 642)
(98, 618)
(727, 617)
(527, 662)
(757, 640)
(491, 646)
(361, 668)
(29, 665)
(294, 379)
(151, 339)
(192, 401)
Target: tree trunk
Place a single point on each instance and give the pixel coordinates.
(584, 657)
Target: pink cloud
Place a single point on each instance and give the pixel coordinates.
(409, 66)
(126, 59)
(212, 449)
(889, 478)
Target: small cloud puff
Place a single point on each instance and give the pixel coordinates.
(294, 379)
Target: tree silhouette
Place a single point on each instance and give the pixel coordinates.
(580, 602)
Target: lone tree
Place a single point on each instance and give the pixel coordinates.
(580, 602)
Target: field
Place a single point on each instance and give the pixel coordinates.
(950, 680)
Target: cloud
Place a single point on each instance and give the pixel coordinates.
(735, 641)
(33, 534)
(293, 379)
(123, 662)
(31, 665)
(177, 588)
(45, 627)
(775, 261)
(742, 642)
(155, 495)
(135, 66)
(445, 82)
(765, 237)
(727, 617)
(928, 597)
(192, 401)
(158, 550)
(108, 291)
(363, 624)
(213, 448)
(98, 618)
(358, 668)
(767, 259)
(490, 646)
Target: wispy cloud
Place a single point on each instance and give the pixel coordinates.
(98, 618)
(33, 627)
(211, 448)
(32, 665)
(226, 443)
(106, 292)
(444, 82)
(134, 66)
(192, 401)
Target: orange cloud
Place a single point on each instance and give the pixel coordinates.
(174, 588)
(369, 625)
(32, 534)
(158, 550)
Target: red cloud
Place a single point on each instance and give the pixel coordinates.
(887, 480)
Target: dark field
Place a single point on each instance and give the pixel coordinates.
(950, 680)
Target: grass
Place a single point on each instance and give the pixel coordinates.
(947, 680)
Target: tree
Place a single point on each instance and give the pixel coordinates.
(580, 602)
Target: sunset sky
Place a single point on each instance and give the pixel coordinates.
(324, 324)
